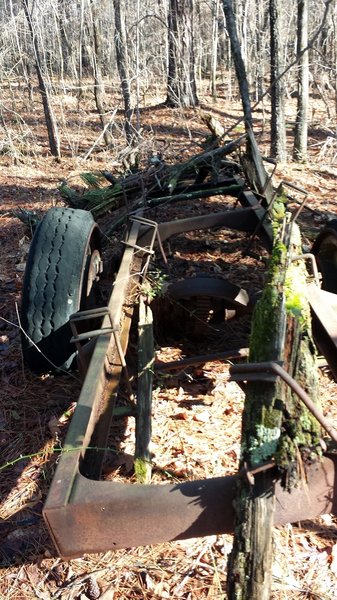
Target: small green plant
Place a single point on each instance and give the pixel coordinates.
(153, 285)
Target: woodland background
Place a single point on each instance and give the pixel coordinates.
(67, 51)
(98, 85)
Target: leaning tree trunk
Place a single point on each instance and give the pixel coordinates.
(279, 435)
(239, 64)
(181, 86)
(53, 135)
(301, 126)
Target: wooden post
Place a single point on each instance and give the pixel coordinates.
(276, 427)
(144, 393)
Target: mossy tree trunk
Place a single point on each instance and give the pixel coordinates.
(276, 426)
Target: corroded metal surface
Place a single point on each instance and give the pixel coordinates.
(103, 515)
(261, 372)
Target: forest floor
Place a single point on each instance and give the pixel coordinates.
(196, 411)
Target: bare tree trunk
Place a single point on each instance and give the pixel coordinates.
(214, 49)
(334, 21)
(121, 54)
(25, 64)
(240, 68)
(260, 28)
(80, 52)
(99, 86)
(181, 86)
(53, 135)
(66, 48)
(301, 126)
(278, 129)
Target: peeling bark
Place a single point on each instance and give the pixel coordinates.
(276, 427)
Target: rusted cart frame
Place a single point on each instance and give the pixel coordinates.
(85, 514)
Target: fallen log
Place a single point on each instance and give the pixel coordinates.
(280, 437)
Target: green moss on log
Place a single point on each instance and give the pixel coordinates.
(275, 422)
(142, 467)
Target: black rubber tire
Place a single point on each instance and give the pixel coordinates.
(325, 251)
(56, 286)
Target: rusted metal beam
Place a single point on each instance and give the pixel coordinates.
(241, 219)
(104, 515)
(201, 359)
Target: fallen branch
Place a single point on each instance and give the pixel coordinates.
(156, 184)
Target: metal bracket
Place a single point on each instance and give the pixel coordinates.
(269, 371)
(77, 338)
(312, 259)
(301, 204)
(86, 315)
(269, 209)
(155, 235)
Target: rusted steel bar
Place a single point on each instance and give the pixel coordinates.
(203, 358)
(262, 368)
(242, 219)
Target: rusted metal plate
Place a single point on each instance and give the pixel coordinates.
(234, 296)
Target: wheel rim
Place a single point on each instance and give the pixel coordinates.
(92, 271)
